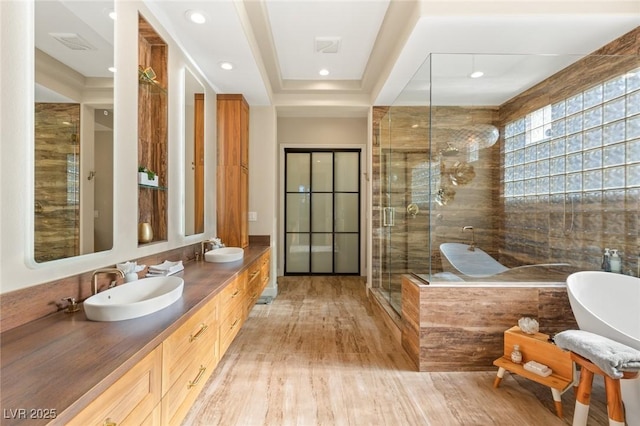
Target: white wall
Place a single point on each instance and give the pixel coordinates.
(324, 132)
(263, 183)
(17, 268)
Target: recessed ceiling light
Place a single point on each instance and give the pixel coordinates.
(476, 74)
(226, 65)
(196, 16)
(112, 69)
(415, 126)
(323, 72)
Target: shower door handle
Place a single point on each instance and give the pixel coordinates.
(389, 216)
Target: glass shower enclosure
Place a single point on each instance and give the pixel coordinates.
(524, 173)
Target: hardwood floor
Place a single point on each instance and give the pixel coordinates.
(319, 355)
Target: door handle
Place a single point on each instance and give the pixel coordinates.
(389, 216)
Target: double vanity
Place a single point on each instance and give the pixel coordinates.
(65, 369)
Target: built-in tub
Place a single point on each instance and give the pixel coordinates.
(609, 305)
(459, 326)
(461, 262)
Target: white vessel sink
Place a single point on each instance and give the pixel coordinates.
(134, 299)
(224, 254)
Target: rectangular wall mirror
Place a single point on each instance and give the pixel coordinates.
(73, 128)
(194, 154)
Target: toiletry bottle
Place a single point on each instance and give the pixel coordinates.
(516, 355)
(616, 263)
(606, 264)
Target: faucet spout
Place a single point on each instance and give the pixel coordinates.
(472, 245)
(96, 273)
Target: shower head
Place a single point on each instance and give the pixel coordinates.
(449, 151)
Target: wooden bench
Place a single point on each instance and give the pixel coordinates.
(538, 347)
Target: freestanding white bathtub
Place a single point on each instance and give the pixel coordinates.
(608, 304)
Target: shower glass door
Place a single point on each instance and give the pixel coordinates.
(322, 212)
(394, 223)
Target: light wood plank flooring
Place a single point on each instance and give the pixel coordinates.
(319, 355)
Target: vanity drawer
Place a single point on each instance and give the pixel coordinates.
(232, 295)
(198, 334)
(254, 271)
(187, 386)
(265, 258)
(229, 327)
(253, 287)
(264, 273)
(131, 399)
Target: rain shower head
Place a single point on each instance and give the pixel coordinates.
(449, 151)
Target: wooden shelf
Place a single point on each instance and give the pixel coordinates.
(157, 188)
(552, 381)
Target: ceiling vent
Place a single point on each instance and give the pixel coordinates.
(73, 41)
(327, 44)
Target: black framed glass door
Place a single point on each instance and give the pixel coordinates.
(322, 211)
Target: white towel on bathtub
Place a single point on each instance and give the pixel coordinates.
(612, 357)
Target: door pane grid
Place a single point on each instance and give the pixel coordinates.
(322, 223)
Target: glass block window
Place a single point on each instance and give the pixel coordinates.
(589, 141)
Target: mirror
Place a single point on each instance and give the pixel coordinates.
(194, 154)
(73, 128)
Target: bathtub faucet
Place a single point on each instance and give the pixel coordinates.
(472, 246)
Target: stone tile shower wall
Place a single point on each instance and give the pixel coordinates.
(580, 187)
(572, 228)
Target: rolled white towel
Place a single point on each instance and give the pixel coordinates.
(612, 357)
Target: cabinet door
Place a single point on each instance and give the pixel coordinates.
(131, 399)
(233, 170)
(244, 134)
(244, 208)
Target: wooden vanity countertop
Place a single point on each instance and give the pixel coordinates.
(62, 362)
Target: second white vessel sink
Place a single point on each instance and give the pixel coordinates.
(224, 254)
(134, 299)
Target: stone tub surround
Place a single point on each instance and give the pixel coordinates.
(64, 361)
(460, 327)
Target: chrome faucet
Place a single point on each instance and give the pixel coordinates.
(110, 271)
(472, 246)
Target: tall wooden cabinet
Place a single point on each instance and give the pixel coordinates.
(233, 170)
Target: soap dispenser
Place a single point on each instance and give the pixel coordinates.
(606, 263)
(616, 263)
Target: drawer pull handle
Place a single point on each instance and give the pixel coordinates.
(198, 377)
(254, 274)
(234, 323)
(236, 293)
(203, 328)
(109, 422)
